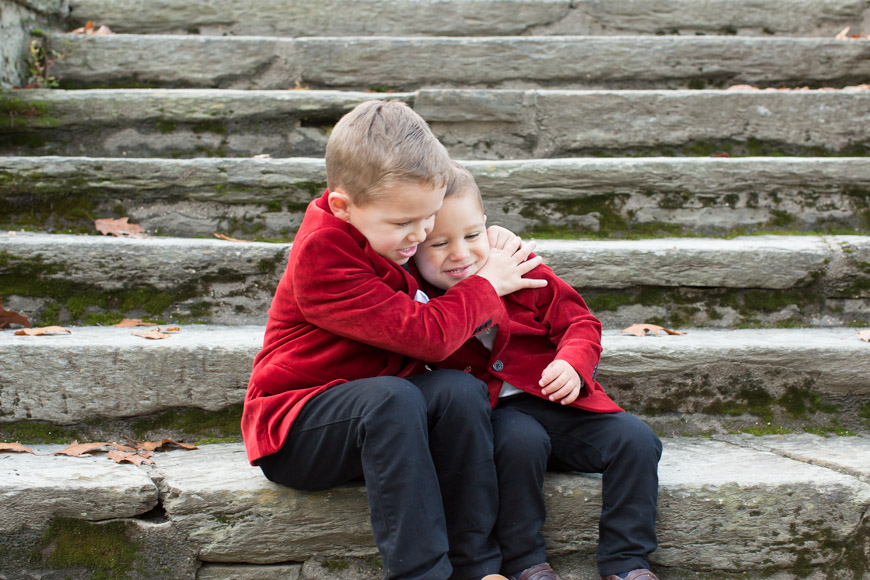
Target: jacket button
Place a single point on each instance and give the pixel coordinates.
(497, 366)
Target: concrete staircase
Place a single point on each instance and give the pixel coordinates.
(606, 130)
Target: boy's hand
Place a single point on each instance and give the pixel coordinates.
(499, 237)
(560, 382)
(504, 269)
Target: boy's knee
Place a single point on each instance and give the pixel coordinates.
(458, 388)
(520, 437)
(638, 436)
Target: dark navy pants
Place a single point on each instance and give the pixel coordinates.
(532, 435)
(424, 447)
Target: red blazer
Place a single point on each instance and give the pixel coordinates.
(544, 324)
(342, 312)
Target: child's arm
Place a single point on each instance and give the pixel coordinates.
(575, 333)
(338, 290)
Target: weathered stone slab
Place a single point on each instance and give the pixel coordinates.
(571, 123)
(709, 375)
(187, 278)
(604, 197)
(249, 572)
(37, 489)
(477, 17)
(403, 63)
(734, 509)
(475, 124)
(848, 455)
(750, 262)
(103, 372)
(174, 123)
(722, 507)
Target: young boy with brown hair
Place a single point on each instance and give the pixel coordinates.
(549, 412)
(338, 394)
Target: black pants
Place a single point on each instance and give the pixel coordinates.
(532, 435)
(424, 446)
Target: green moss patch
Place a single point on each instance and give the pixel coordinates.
(104, 549)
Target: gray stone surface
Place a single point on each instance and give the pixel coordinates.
(103, 372)
(98, 372)
(403, 63)
(37, 489)
(503, 124)
(474, 17)
(195, 197)
(249, 572)
(473, 124)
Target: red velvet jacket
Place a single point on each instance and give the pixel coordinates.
(545, 324)
(342, 312)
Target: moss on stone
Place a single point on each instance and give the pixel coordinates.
(104, 549)
(224, 424)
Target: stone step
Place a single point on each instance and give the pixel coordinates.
(473, 124)
(266, 198)
(477, 17)
(742, 507)
(705, 381)
(408, 63)
(766, 280)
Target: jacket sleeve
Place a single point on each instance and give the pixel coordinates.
(574, 331)
(339, 290)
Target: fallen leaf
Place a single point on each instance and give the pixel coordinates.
(14, 448)
(262, 156)
(861, 87)
(864, 335)
(129, 457)
(90, 28)
(643, 329)
(742, 88)
(119, 227)
(153, 334)
(131, 322)
(9, 317)
(843, 34)
(722, 154)
(45, 330)
(155, 445)
(227, 238)
(76, 449)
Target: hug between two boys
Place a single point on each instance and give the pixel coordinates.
(442, 363)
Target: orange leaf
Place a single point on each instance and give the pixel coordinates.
(14, 448)
(643, 329)
(155, 445)
(153, 334)
(722, 154)
(843, 34)
(130, 322)
(227, 238)
(8, 318)
(129, 457)
(119, 227)
(76, 449)
(864, 335)
(45, 330)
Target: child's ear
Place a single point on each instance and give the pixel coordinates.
(484, 219)
(339, 205)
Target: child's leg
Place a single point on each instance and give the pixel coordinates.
(626, 452)
(460, 441)
(522, 448)
(377, 428)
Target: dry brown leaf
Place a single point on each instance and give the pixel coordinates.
(43, 331)
(119, 227)
(153, 334)
(9, 317)
(91, 28)
(722, 154)
(129, 457)
(864, 335)
(76, 449)
(643, 329)
(227, 238)
(131, 322)
(14, 448)
(156, 445)
(843, 34)
(861, 87)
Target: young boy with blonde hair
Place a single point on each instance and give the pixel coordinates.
(548, 410)
(338, 392)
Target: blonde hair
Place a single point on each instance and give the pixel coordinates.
(379, 143)
(461, 183)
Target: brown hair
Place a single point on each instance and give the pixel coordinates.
(379, 143)
(461, 182)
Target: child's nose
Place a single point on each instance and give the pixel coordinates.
(459, 253)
